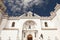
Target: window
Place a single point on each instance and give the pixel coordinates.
(46, 25)
(29, 27)
(13, 24)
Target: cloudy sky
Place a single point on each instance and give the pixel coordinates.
(40, 7)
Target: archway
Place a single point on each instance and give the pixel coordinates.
(29, 24)
(29, 37)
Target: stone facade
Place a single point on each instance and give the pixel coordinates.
(28, 27)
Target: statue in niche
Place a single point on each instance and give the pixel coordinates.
(41, 37)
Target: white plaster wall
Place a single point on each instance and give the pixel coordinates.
(22, 21)
(58, 16)
(9, 24)
(54, 23)
(19, 25)
(49, 33)
(40, 23)
(6, 34)
(50, 23)
(3, 23)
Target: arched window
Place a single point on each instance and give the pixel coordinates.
(46, 25)
(13, 24)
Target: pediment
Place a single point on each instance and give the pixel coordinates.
(29, 14)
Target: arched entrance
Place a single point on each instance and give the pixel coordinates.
(29, 37)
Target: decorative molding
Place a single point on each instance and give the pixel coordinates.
(10, 29)
(53, 14)
(29, 22)
(48, 28)
(57, 7)
(29, 30)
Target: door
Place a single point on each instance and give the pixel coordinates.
(29, 37)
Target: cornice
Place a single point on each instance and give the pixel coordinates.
(34, 17)
(49, 29)
(57, 7)
(10, 29)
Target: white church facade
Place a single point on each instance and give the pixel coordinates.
(29, 27)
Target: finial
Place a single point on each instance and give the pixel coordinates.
(29, 14)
